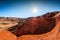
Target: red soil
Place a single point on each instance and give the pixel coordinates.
(6, 35)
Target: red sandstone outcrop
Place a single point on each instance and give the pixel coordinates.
(54, 34)
(45, 27)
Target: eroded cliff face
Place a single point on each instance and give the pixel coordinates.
(45, 27)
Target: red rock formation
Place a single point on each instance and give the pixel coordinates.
(35, 26)
(45, 27)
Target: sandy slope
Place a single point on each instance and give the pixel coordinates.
(6, 35)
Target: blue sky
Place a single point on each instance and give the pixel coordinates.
(23, 9)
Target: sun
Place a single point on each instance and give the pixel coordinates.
(34, 10)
